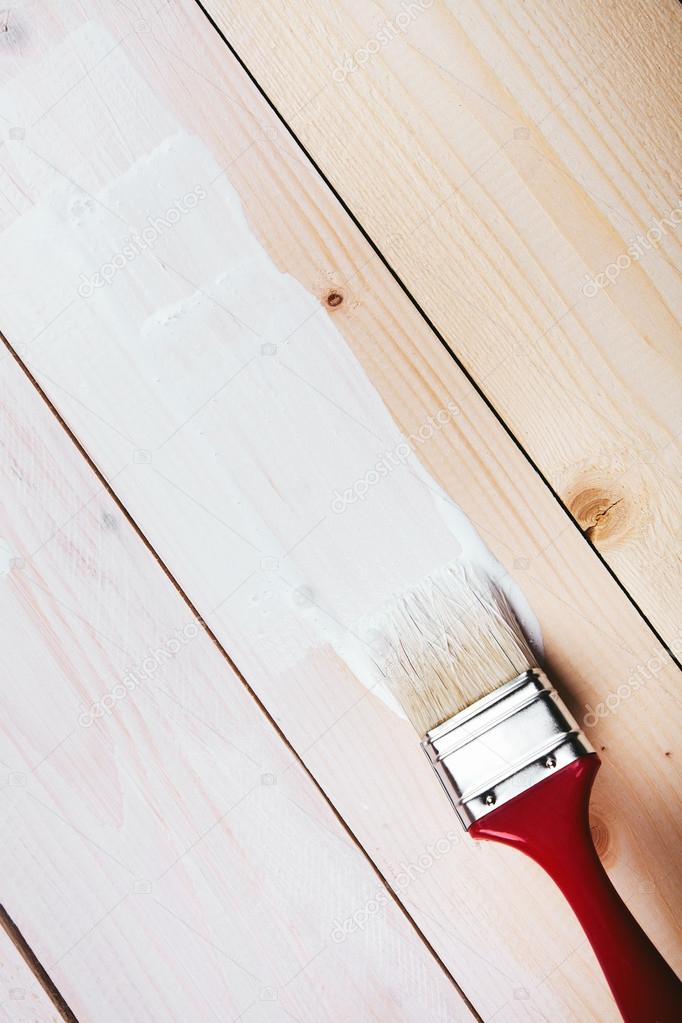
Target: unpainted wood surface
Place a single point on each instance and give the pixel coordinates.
(519, 167)
(227, 398)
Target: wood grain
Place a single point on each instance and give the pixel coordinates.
(502, 156)
(229, 380)
(163, 850)
(23, 999)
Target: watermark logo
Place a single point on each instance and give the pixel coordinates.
(140, 241)
(637, 679)
(389, 30)
(637, 248)
(392, 459)
(142, 672)
(407, 874)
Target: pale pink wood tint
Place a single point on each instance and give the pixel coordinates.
(164, 853)
(242, 369)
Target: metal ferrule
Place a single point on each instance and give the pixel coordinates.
(503, 744)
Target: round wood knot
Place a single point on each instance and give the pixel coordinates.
(334, 299)
(601, 836)
(603, 516)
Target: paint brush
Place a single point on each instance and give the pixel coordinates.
(514, 763)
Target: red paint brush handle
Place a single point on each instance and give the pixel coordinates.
(549, 822)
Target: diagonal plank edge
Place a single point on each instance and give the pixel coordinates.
(5, 920)
(564, 361)
(24, 980)
(238, 382)
(86, 604)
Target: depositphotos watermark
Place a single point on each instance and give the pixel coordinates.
(142, 672)
(638, 247)
(140, 241)
(392, 459)
(408, 873)
(391, 28)
(637, 679)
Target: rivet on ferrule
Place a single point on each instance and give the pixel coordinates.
(503, 744)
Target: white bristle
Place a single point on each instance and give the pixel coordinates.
(447, 643)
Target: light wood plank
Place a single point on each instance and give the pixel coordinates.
(22, 997)
(227, 399)
(169, 860)
(502, 156)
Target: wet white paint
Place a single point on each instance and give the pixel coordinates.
(240, 391)
(8, 558)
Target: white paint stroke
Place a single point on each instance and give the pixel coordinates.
(8, 558)
(248, 406)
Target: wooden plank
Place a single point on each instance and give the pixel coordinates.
(518, 165)
(242, 381)
(23, 999)
(163, 850)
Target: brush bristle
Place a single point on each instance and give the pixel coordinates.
(449, 642)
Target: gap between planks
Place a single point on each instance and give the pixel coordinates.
(35, 966)
(298, 757)
(549, 504)
(586, 532)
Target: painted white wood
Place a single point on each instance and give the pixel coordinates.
(22, 998)
(229, 399)
(518, 164)
(169, 859)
